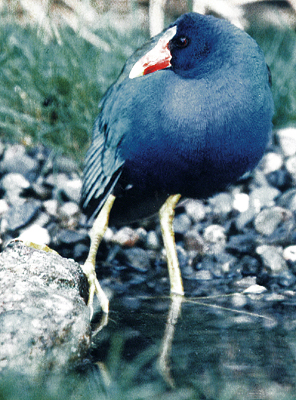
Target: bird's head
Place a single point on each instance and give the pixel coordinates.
(188, 47)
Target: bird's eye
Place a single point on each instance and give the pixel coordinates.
(181, 42)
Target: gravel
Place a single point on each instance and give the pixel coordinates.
(246, 232)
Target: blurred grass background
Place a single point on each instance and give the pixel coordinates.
(53, 71)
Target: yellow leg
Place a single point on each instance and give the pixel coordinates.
(166, 215)
(96, 235)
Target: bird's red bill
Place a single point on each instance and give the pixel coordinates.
(157, 58)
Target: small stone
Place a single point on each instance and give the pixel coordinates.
(271, 162)
(239, 300)
(193, 241)
(221, 203)
(245, 218)
(51, 207)
(246, 282)
(242, 243)
(240, 202)
(16, 160)
(289, 253)
(291, 166)
(69, 209)
(287, 279)
(287, 140)
(272, 258)
(269, 219)
(152, 241)
(65, 165)
(4, 207)
(72, 189)
(20, 216)
(195, 210)
(126, 237)
(181, 223)
(255, 289)
(36, 234)
(203, 275)
(274, 297)
(14, 184)
(137, 258)
(264, 196)
(68, 237)
(215, 234)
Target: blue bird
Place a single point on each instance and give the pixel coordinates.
(190, 113)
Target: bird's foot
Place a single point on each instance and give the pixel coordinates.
(95, 288)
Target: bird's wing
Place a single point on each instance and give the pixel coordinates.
(103, 165)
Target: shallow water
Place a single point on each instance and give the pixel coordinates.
(195, 349)
(199, 349)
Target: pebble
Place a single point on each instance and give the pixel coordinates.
(271, 162)
(264, 196)
(195, 210)
(221, 203)
(269, 219)
(16, 160)
(72, 189)
(255, 289)
(126, 236)
(287, 140)
(291, 167)
(20, 216)
(289, 253)
(239, 300)
(272, 258)
(14, 184)
(69, 209)
(36, 234)
(152, 241)
(215, 234)
(4, 207)
(137, 259)
(193, 241)
(241, 202)
(181, 224)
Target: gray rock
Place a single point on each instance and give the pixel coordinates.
(14, 184)
(36, 234)
(287, 140)
(255, 289)
(221, 203)
(16, 160)
(20, 216)
(72, 189)
(215, 238)
(271, 162)
(272, 257)
(137, 258)
(44, 320)
(268, 220)
(152, 241)
(193, 241)
(291, 166)
(264, 196)
(195, 210)
(181, 223)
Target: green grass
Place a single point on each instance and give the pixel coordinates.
(279, 46)
(49, 91)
